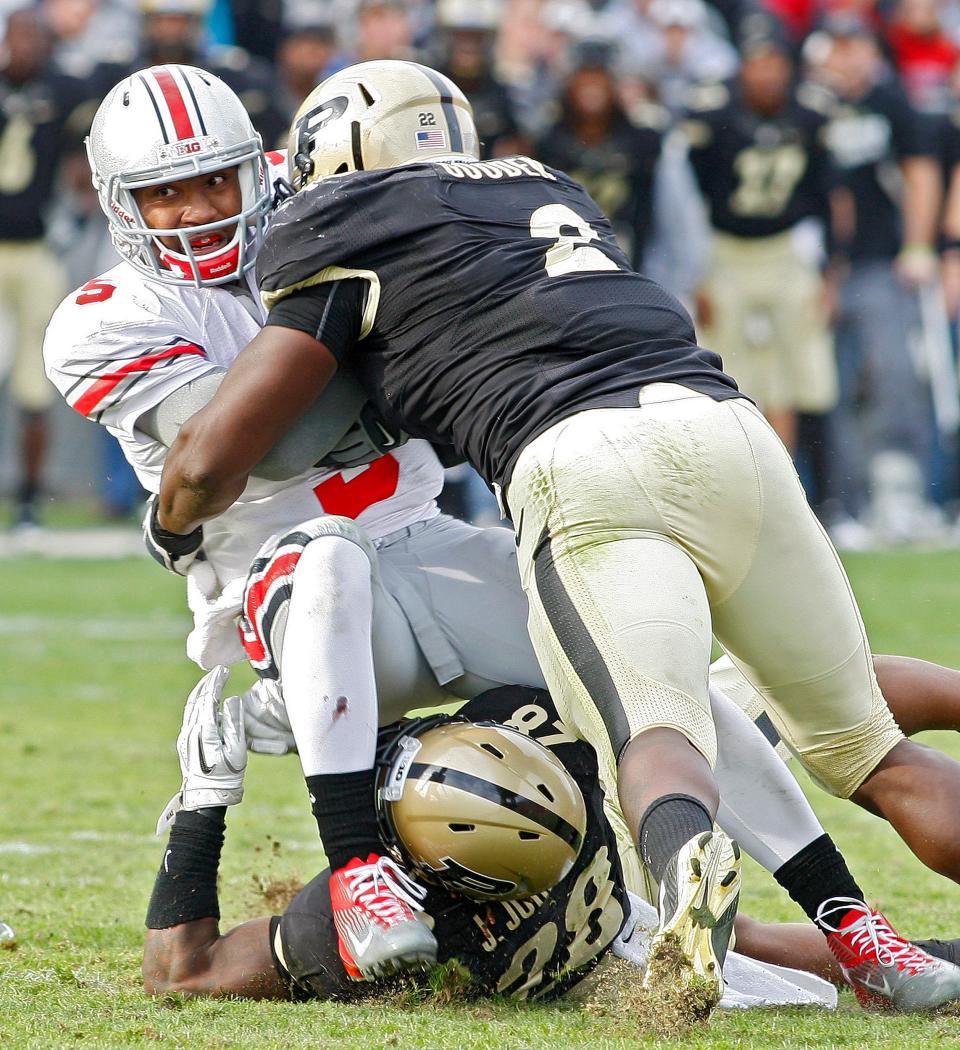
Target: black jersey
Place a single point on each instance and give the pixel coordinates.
(759, 175)
(38, 120)
(533, 948)
(499, 301)
(868, 138)
(617, 171)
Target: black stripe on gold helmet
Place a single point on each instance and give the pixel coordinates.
(478, 808)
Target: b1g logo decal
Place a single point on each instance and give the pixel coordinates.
(187, 147)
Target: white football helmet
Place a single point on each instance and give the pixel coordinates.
(379, 115)
(167, 123)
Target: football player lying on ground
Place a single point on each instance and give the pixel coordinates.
(487, 306)
(141, 348)
(480, 812)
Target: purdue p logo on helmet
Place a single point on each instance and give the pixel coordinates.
(479, 809)
(379, 115)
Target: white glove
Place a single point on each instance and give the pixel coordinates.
(265, 720)
(173, 551)
(214, 638)
(212, 750)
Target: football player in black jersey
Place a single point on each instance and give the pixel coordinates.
(487, 306)
(42, 113)
(763, 168)
(525, 944)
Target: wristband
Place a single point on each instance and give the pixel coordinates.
(175, 543)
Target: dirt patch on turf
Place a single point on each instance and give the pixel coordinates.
(276, 894)
(674, 1001)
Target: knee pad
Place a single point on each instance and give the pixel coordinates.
(270, 582)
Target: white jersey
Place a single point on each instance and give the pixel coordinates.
(122, 343)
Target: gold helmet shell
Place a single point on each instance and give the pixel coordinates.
(479, 809)
(379, 115)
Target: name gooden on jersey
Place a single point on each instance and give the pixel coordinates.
(496, 169)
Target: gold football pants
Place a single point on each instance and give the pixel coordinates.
(640, 531)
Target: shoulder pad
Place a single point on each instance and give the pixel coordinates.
(704, 97)
(646, 114)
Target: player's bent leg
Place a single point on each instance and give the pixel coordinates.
(466, 582)
(311, 594)
(784, 610)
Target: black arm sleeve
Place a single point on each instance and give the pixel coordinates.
(332, 312)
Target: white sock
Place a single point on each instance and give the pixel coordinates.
(327, 661)
(761, 804)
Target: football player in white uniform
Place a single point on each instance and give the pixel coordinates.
(144, 345)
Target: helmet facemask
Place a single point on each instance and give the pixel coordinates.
(117, 173)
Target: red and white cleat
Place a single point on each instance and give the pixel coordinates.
(885, 970)
(374, 910)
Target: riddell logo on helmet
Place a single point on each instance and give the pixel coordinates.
(187, 147)
(117, 210)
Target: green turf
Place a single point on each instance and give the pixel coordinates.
(92, 680)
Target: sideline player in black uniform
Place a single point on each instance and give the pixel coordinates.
(42, 114)
(762, 165)
(486, 305)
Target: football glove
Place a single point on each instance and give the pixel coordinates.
(265, 720)
(173, 551)
(367, 440)
(214, 638)
(212, 750)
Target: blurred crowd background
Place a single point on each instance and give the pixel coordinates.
(789, 168)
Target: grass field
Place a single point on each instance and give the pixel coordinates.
(92, 681)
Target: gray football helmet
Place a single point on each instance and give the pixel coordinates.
(167, 123)
(379, 115)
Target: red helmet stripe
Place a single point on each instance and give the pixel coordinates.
(182, 124)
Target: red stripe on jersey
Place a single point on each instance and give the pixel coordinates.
(92, 397)
(178, 108)
(257, 592)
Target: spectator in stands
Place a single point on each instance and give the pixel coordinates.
(173, 31)
(923, 53)
(883, 231)
(763, 169)
(307, 52)
(466, 35)
(611, 155)
(384, 29)
(42, 113)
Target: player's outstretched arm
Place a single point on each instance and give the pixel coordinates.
(272, 382)
(184, 951)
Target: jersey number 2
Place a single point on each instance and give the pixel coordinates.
(351, 492)
(571, 236)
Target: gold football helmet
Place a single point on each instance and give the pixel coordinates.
(379, 115)
(478, 808)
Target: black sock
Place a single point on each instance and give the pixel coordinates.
(186, 886)
(668, 823)
(815, 874)
(343, 804)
